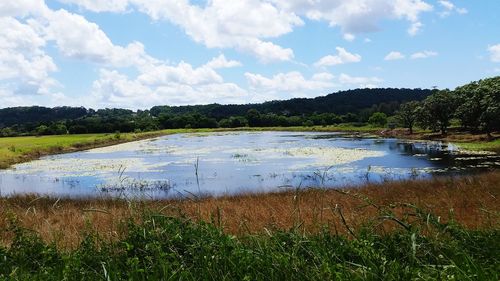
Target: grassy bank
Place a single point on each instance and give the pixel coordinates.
(441, 229)
(21, 149)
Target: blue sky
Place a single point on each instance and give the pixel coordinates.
(141, 53)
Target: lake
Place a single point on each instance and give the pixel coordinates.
(214, 164)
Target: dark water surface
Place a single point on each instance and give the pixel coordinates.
(235, 162)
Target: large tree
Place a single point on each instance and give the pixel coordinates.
(479, 105)
(408, 114)
(438, 109)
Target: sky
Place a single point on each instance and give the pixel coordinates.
(140, 53)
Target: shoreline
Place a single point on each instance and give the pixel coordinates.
(463, 140)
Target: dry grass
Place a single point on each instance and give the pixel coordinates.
(471, 201)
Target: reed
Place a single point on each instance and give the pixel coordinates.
(471, 201)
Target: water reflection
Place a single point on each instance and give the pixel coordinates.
(236, 162)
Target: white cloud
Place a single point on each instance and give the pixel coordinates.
(494, 52)
(415, 28)
(78, 38)
(222, 62)
(362, 82)
(265, 51)
(423, 55)
(449, 7)
(22, 8)
(349, 37)
(290, 83)
(249, 25)
(100, 6)
(323, 76)
(357, 16)
(342, 57)
(394, 55)
(447, 4)
(25, 68)
(243, 25)
(164, 84)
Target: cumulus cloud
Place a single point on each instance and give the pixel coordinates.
(164, 84)
(394, 55)
(494, 52)
(449, 7)
(161, 83)
(222, 62)
(362, 82)
(341, 57)
(99, 5)
(78, 38)
(357, 16)
(244, 25)
(249, 25)
(423, 55)
(26, 68)
(290, 83)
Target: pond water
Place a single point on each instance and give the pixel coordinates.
(235, 162)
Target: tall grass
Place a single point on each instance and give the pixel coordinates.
(440, 229)
(176, 248)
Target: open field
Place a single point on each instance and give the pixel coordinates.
(445, 229)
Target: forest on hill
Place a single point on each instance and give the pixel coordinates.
(474, 107)
(353, 106)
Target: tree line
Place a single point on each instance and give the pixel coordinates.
(474, 107)
(353, 106)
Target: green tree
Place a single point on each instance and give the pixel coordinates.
(42, 130)
(378, 119)
(479, 105)
(408, 114)
(254, 118)
(438, 109)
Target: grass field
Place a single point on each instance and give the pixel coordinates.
(481, 145)
(20, 149)
(440, 229)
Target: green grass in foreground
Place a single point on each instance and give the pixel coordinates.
(166, 248)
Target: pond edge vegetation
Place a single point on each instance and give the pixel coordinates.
(445, 228)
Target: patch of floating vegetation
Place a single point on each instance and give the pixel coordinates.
(474, 152)
(68, 167)
(135, 185)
